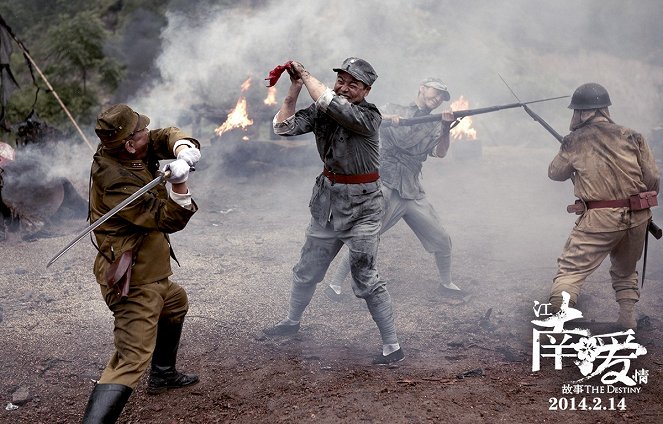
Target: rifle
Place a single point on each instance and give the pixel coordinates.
(460, 114)
(655, 230)
(534, 115)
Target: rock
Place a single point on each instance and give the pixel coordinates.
(21, 396)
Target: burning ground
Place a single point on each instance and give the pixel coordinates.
(508, 225)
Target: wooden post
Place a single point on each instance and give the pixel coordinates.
(58, 99)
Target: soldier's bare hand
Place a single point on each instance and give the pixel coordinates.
(394, 120)
(448, 118)
(296, 69)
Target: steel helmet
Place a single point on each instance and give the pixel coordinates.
(590, 96)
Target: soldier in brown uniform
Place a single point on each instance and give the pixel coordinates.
(133, 263)
(610, 167)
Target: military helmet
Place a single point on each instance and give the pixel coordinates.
(590, 96)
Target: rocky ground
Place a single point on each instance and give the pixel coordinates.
(467, 360)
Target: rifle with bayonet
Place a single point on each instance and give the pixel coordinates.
(653, 229)
(460, 114)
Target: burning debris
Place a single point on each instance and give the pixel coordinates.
(464, 130)
(238, 116)
(465, 145)
(245, 140)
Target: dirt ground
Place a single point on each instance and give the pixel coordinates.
(467, 360)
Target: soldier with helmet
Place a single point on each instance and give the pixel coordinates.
(132, 266)
(616, 180)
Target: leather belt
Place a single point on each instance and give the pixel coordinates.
(351, 179)
(598, 204)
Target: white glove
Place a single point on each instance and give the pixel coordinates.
(191, 155)
(179, 171)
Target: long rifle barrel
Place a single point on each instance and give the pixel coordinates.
(459, 114)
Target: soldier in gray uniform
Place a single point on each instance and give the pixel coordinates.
(347, 203)
(404, 149)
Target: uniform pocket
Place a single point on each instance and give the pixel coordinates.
(366, 199)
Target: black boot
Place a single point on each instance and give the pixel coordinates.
(163, 375)
(106, 403)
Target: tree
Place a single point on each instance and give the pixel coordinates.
(76, 60)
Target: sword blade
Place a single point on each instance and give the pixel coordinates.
(108, 215)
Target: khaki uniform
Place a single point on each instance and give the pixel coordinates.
(606, 162)
(143, 226)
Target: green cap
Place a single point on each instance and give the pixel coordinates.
(117, 123)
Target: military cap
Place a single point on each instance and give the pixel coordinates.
(117, 123)
(437, 84)
(359, 69)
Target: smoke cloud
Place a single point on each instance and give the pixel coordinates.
(543, 49)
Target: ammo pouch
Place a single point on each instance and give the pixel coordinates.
(118, 275)
(644, 200)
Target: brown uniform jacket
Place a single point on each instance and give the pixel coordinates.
(607, 162)
(144, 224)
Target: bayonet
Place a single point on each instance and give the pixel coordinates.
(534, 115)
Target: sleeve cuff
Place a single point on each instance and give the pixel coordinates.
(181, 142)
(325, 99)
(283, 127)
(183, 200)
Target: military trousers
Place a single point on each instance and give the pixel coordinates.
(323, 244)
(422, 218)
(135, 327)
(583, 254)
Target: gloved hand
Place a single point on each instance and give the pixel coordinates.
(179, 171)
(190, 155)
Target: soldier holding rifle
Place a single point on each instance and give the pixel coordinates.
(133, 262)
(403, 152)
(409, 135)
(616, 179)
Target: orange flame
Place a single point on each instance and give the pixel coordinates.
(270, 100)
(464, 128)
(238, 116)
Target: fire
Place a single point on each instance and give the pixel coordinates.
(238, 116)
(271, 96)
(464, 128)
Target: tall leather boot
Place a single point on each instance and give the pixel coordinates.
(106, 403)
(626, 320)
(163, 374)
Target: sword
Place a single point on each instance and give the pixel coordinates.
(155, 182)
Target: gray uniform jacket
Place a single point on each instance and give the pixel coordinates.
(404, 150)
(348, 142)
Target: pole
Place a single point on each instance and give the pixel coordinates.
(50, 87)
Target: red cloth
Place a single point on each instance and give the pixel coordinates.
(275, 73)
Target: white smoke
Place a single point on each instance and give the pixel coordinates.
(543, 49)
